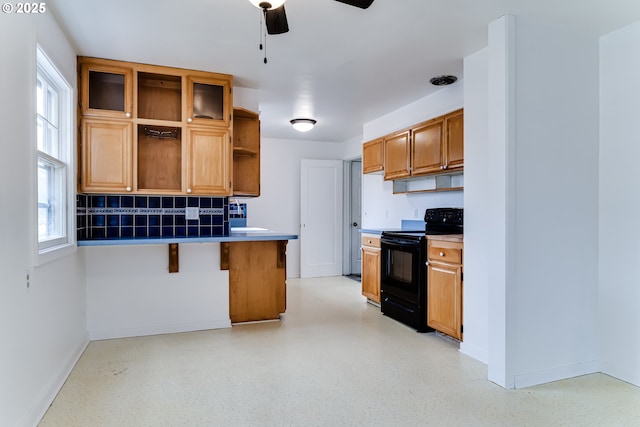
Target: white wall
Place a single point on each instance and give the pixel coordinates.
(501, 59)
(131, 293)
(278, 207)
(477, 236)
(352, 148)
(380, 207)
(551, 198)
(246, 98)
(619, 187)
(42, 326)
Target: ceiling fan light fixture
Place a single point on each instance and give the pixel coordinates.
(303, 125)
(267, 5)
(443, 80)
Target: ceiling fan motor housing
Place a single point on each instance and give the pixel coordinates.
(362, 4)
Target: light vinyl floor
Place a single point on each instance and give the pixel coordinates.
(333, 360)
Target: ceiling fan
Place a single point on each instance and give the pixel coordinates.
(276, 18)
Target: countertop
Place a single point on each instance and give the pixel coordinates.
(456, 238)
(446, 237)
(234, 236)
(379, 231)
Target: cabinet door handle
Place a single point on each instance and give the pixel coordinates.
(441, 253)
(188, 190)
(441, 167)
(189, 120)
(128, 188)
(127, 115)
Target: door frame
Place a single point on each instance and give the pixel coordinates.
(347, 241)
(308, 269)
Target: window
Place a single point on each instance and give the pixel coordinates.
(53, 130)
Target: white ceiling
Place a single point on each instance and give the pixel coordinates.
(338, 64)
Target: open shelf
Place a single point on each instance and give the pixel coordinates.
(431, 183)
(159, 158)
(159, 96)
(246, 153)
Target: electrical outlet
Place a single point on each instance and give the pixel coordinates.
(192, 213)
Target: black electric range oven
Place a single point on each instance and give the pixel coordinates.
(403, 282)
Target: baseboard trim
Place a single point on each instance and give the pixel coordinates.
(556, 374)
(50, 391)
(106, 334)
(626, 375)
(475, 352)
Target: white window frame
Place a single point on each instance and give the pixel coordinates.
(61, 163)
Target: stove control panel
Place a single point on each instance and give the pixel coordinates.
(444, 215)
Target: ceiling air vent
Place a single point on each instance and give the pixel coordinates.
(443, 80)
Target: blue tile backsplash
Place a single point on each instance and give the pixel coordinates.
(140, 216)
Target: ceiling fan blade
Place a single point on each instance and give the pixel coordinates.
(276, 21)
(362, 4)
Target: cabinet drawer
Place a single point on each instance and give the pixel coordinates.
(369, 240)
(444, 252)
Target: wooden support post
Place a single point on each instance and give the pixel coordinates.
(174, 264)
(282, 254)
(224, 256)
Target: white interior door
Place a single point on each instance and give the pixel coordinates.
(321, 218)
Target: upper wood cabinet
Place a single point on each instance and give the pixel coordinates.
(426, 147)
(209, 161)
(373, 156)
(208, 101)
(454, 137)
(106, 151)
(397, 155)
(246, 153)
(106, 89)
(432, 147)
(154, 130)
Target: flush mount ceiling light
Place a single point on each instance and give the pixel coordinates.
(443, 80)
(303, 125)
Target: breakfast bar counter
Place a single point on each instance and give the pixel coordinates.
(244, 234)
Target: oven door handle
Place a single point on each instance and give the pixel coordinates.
(398, 242)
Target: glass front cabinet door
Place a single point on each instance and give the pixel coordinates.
(208, 101)
(107, 91)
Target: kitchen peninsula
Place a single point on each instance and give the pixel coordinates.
(161, 150)
(222, 280)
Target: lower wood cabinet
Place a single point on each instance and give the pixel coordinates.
(257, 279)
(371, 267)
(444, 287)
